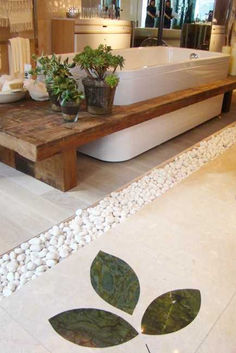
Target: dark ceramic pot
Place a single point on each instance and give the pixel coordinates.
(99, 96)
(70, 111)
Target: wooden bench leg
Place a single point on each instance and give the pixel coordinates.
(59, 171)
(7, 156)
(227, 102)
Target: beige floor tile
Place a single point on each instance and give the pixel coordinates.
(65, 200)
(24, 214)
(25, 181)
(26, 222)
(11, 234)
(14, 339)
(222, 338)
(44, 208)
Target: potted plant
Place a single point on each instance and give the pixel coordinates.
(101, 82)
(66, 89)
(52, 68)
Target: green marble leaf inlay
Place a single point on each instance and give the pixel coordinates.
(171, 312)
(93, 328)
(115, 282)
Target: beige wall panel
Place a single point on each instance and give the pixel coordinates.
(46, 10)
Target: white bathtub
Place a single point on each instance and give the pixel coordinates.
(152, 72)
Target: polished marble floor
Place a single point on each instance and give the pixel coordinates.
(185, 240)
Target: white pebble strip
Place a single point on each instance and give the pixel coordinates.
(31, 259)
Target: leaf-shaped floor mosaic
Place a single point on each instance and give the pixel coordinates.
(93, 328)
(115, 282)
(171, 312)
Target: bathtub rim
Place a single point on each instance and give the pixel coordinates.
(217, 57)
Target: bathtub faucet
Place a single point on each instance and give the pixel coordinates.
(193, 56)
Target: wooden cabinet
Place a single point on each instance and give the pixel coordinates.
(72, 35)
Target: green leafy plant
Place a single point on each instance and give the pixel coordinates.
(52, 67)
(98, 62)
(112, 80)
(116, 283)
(66, 89)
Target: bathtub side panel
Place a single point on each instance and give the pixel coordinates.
(129, 143)
(144, 84)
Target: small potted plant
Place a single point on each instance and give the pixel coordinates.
(66, 89)
(101, 82)
(52, 68)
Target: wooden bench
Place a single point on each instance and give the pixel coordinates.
(36, 141)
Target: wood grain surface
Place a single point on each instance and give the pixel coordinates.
(31, 129)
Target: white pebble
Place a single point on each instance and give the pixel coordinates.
(24, 246)
(21, 257)
(5, 257)
(55, 230)
(35, 241)
(7, 292)
(29, 274)
(43, 253)
(52, 256)
(63, 253)
(3, 270)
(36, 247)
(18, 251)
(10, 276)
(17, 276)
(87, 239)
(12, 255)
(41, 269)
(74, 246)
(23, 269)
(31, 266)
(51, 263)
(38, 262)
(12, 266)
(11, 286)
(79, 212)
(53, 241)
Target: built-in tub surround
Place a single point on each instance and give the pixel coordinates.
(152, 72)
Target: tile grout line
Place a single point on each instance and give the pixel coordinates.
(215, 323)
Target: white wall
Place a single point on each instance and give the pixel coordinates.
(132, 10)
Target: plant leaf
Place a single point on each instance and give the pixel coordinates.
(93, 328)
(171, 312)
(115, 282)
